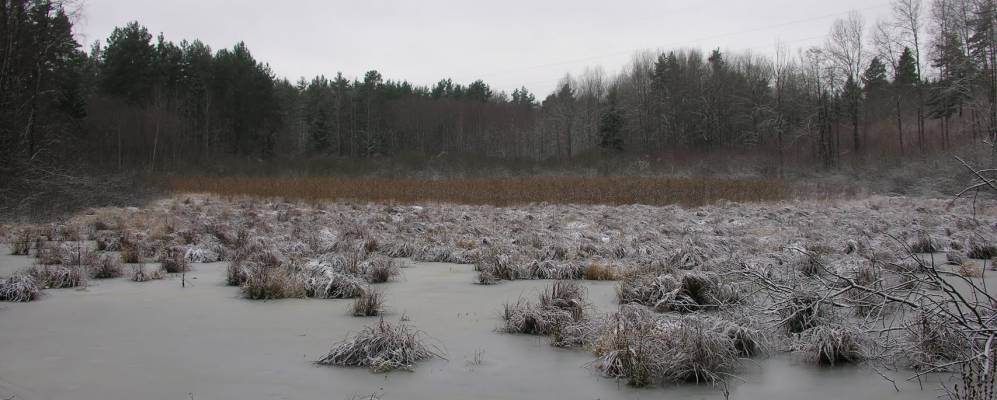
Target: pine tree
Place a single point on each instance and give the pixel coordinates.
(874, 78)
(611, 126)
(906, 74)
(128, 69)
(852, 96)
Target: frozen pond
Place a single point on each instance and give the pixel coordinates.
(119, 339)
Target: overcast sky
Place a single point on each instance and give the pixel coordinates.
(507, 43)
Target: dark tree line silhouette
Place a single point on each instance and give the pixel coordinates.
(920, 80)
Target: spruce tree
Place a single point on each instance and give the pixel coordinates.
(611, 126)
(906, 74)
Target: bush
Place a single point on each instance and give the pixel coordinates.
(58, 276)
(105, 267)
(368, 304)
(131, 252)
(19, 288)
(139, 274)
(20, 244)
(382, 348)
(173, 260)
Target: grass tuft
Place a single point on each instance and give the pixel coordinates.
(19, 289)
(381, 348)
(832, 345)
(981, 251)
(369, 304)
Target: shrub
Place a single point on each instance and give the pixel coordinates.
(53, 253)
(58, 276)
(381, 348)
(108, 241)
(173, 260)
(19, 288)
(139, 274)
(368, 304)
(105, 267)
(131, 252)
(20, 244)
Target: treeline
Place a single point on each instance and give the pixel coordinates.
(920, 80)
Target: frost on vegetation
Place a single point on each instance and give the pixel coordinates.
(742, 277)
(382, 347)
(19, 288)
(688, 292)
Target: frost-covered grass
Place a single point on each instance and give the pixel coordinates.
(369, 304)
(699, 288)
(19, 288)
(382, 347)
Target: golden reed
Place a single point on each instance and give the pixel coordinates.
(694, 191)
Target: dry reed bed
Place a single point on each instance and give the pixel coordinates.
(493, 191)
(696, 285)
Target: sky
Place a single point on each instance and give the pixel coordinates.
(507, 43)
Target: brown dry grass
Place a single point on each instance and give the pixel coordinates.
(596, 271)
(692, 191)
